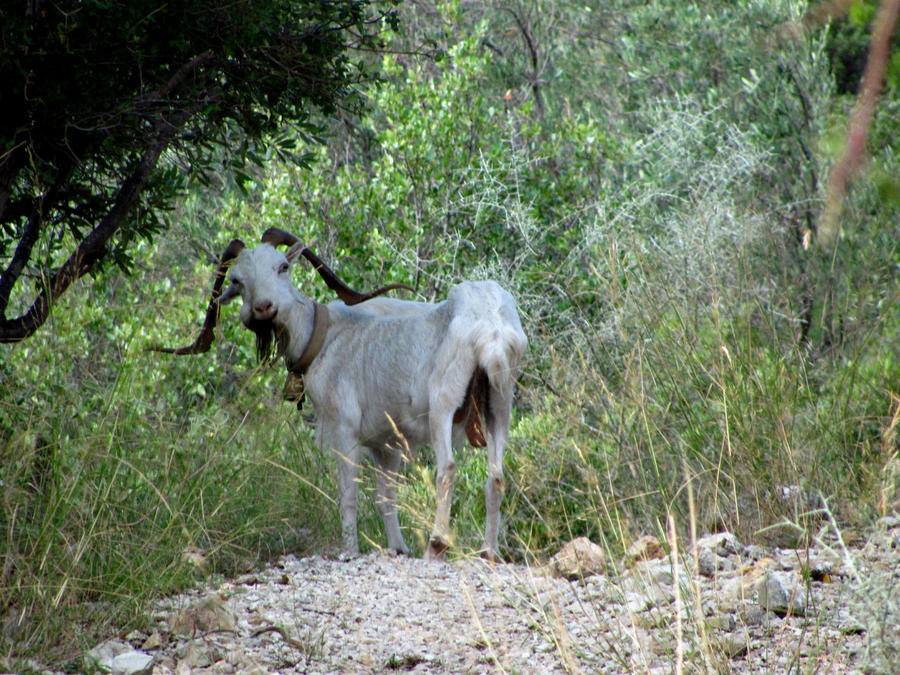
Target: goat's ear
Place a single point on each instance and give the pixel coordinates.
(229, 294)
(294, 251)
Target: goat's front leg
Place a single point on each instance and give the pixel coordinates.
(446, 472)
(347, 452)
(387, 474)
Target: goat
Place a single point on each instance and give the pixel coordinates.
(378, 369)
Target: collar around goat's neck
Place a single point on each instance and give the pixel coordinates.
(314, 346)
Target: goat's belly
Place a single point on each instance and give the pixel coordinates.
(395, 427)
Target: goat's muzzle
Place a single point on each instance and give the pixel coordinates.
(264, 310)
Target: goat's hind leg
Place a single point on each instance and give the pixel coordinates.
(439, 541)
(497, 426)
(387, 473)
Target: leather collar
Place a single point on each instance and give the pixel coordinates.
(314, 346)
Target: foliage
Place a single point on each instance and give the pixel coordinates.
(645, 177)
(113, 106)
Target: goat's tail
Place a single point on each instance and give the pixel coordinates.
(500, 350)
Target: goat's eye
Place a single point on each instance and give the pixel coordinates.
(283, 267)
(235, 281)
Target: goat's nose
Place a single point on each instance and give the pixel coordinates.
(263, 308)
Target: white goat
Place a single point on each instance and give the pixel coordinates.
(428, 373)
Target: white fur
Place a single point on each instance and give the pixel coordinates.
(389, 365)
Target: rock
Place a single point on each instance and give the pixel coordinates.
(578, 559)
(722, 543)
(783, 593)
(734, 644)
(714, 551)
(118, 658)
(101, 656)
(641, 592)
(737, 589)
(798, 498)
(709, 563)
(153, 641)
(195, 557)
(645, 548)
(724, 622)
(195, 655)
(208, 614)
(132, 663)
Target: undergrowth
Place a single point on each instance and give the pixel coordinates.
(654, 227)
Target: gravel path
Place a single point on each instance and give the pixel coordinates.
(382, 614)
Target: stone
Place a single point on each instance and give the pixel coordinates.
(734, 644)
(101, 656)
(132, 663)
(645, 548)
(723, 622)
(153, 641)
(118, 658)
(195, 655)
(722, 543)
(783, 593)
(578, 559)
(739, 588)
(206, 615)
(707, 562)
(714, 553)
(194, 557)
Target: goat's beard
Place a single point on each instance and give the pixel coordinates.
(267, 334)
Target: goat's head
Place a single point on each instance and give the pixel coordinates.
(261, 277)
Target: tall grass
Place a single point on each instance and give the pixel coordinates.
(117, 465)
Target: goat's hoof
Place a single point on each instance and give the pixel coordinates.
(490, 555)
(437, 547)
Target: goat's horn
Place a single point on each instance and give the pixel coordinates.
(344, 292)
(277, 237)
(204, 340)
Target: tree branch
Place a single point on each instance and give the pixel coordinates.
(22, 255)
(860, 120)
(93, 247)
